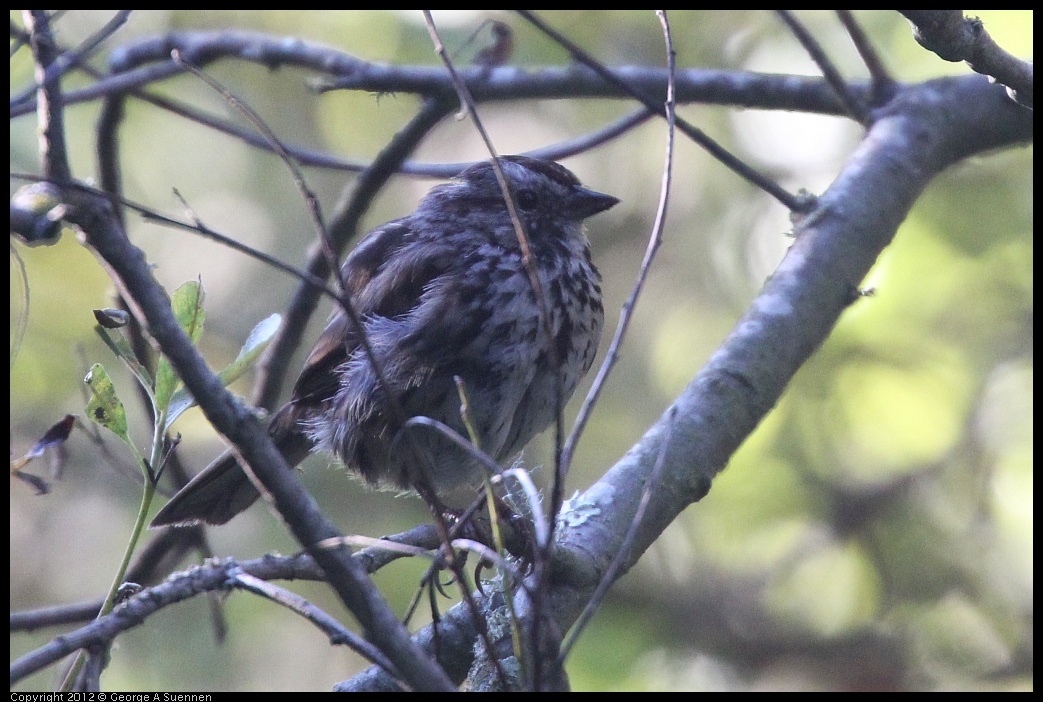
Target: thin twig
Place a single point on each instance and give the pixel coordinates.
(793, 202)
(148, 214)
(75, 57)
(422, 484)
(390, 397)
(855, 107)
(490, 555)
(307, 194)
(453, 436)
(884, 86)
(540, 523)
(322, 159)
(654, 242)
(623, 553)
(22, 315)
(110, 85)
(337, 632)
(343, 228)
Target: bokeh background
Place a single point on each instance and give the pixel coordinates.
(875, 532)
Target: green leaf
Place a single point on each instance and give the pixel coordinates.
(256, 343)
(105, 407)
(188, 309)
(120, 348)
(258, 340)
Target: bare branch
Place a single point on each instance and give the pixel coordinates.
(884, 85)
(855, 107)
(793, 202)
(954, 38)
(50, 103)
(337, 632)
(75, 57)
(508, 83)
(655, 240)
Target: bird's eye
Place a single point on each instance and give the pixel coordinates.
(526, 199)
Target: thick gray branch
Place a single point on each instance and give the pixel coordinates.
(955, 38)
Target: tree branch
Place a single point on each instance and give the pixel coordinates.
(147, 61)
(955, 38)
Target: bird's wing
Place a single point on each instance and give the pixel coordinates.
(385, 277)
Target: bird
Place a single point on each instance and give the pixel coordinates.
(445, 298)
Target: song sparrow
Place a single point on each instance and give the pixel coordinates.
(442, 293)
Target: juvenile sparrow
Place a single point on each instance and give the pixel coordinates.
(442, 293)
